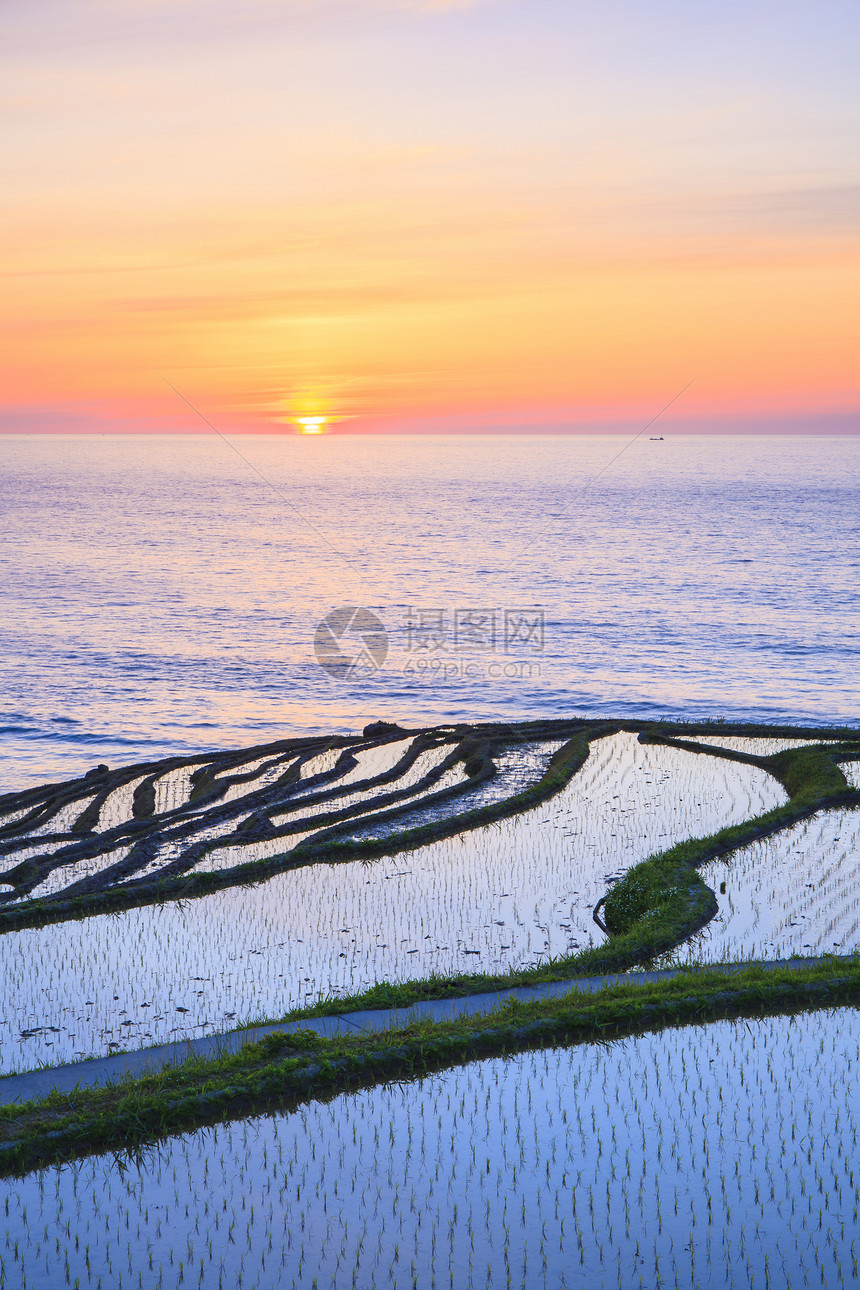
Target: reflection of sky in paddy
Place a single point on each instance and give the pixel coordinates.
(516, 769)
(561, 1167)
(755, 746)
(173, 789)
(63, 820)
(503, 895)
(65, 875)
(851, 771)
(424, 763)
(797, 892)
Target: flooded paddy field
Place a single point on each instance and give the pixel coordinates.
(851, 771)
(754, 746)
(713, 1155)
(503, 895)
(795, 893)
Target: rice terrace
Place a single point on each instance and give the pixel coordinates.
(557, 1003)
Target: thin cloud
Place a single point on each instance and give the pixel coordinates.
(826, 207)
(47, 24)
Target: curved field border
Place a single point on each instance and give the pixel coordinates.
(143, 834)
(657, 905)
(654, 907)
(282, 1071)
(662, 901)
(474, 747)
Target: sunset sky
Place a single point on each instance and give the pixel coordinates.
(415, 215)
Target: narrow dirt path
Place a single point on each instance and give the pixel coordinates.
(98, 1071)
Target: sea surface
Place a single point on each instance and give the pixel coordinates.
(164, 594)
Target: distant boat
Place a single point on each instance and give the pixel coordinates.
(656, 438)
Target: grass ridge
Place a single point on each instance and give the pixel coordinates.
(282, 1071)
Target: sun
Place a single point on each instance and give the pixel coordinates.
(311, 425)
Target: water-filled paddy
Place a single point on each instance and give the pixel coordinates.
(851, 771)
(797, 892)
(717, 1155)
(299, 812)
(205, 803)
(753, 745)
(501, 896)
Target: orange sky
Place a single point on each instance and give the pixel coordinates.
(418, 215)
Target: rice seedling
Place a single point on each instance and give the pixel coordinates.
(618, 1158)
(502, 897)
(757, 1214)
(793, 894)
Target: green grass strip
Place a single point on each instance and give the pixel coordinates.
(563, 766)
(283, 1071)
(662, 901)
(658, 904)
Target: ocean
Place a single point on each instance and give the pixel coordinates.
(176, 594)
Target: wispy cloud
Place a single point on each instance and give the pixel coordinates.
(821, 208)
(45, 25)
(429, 201)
